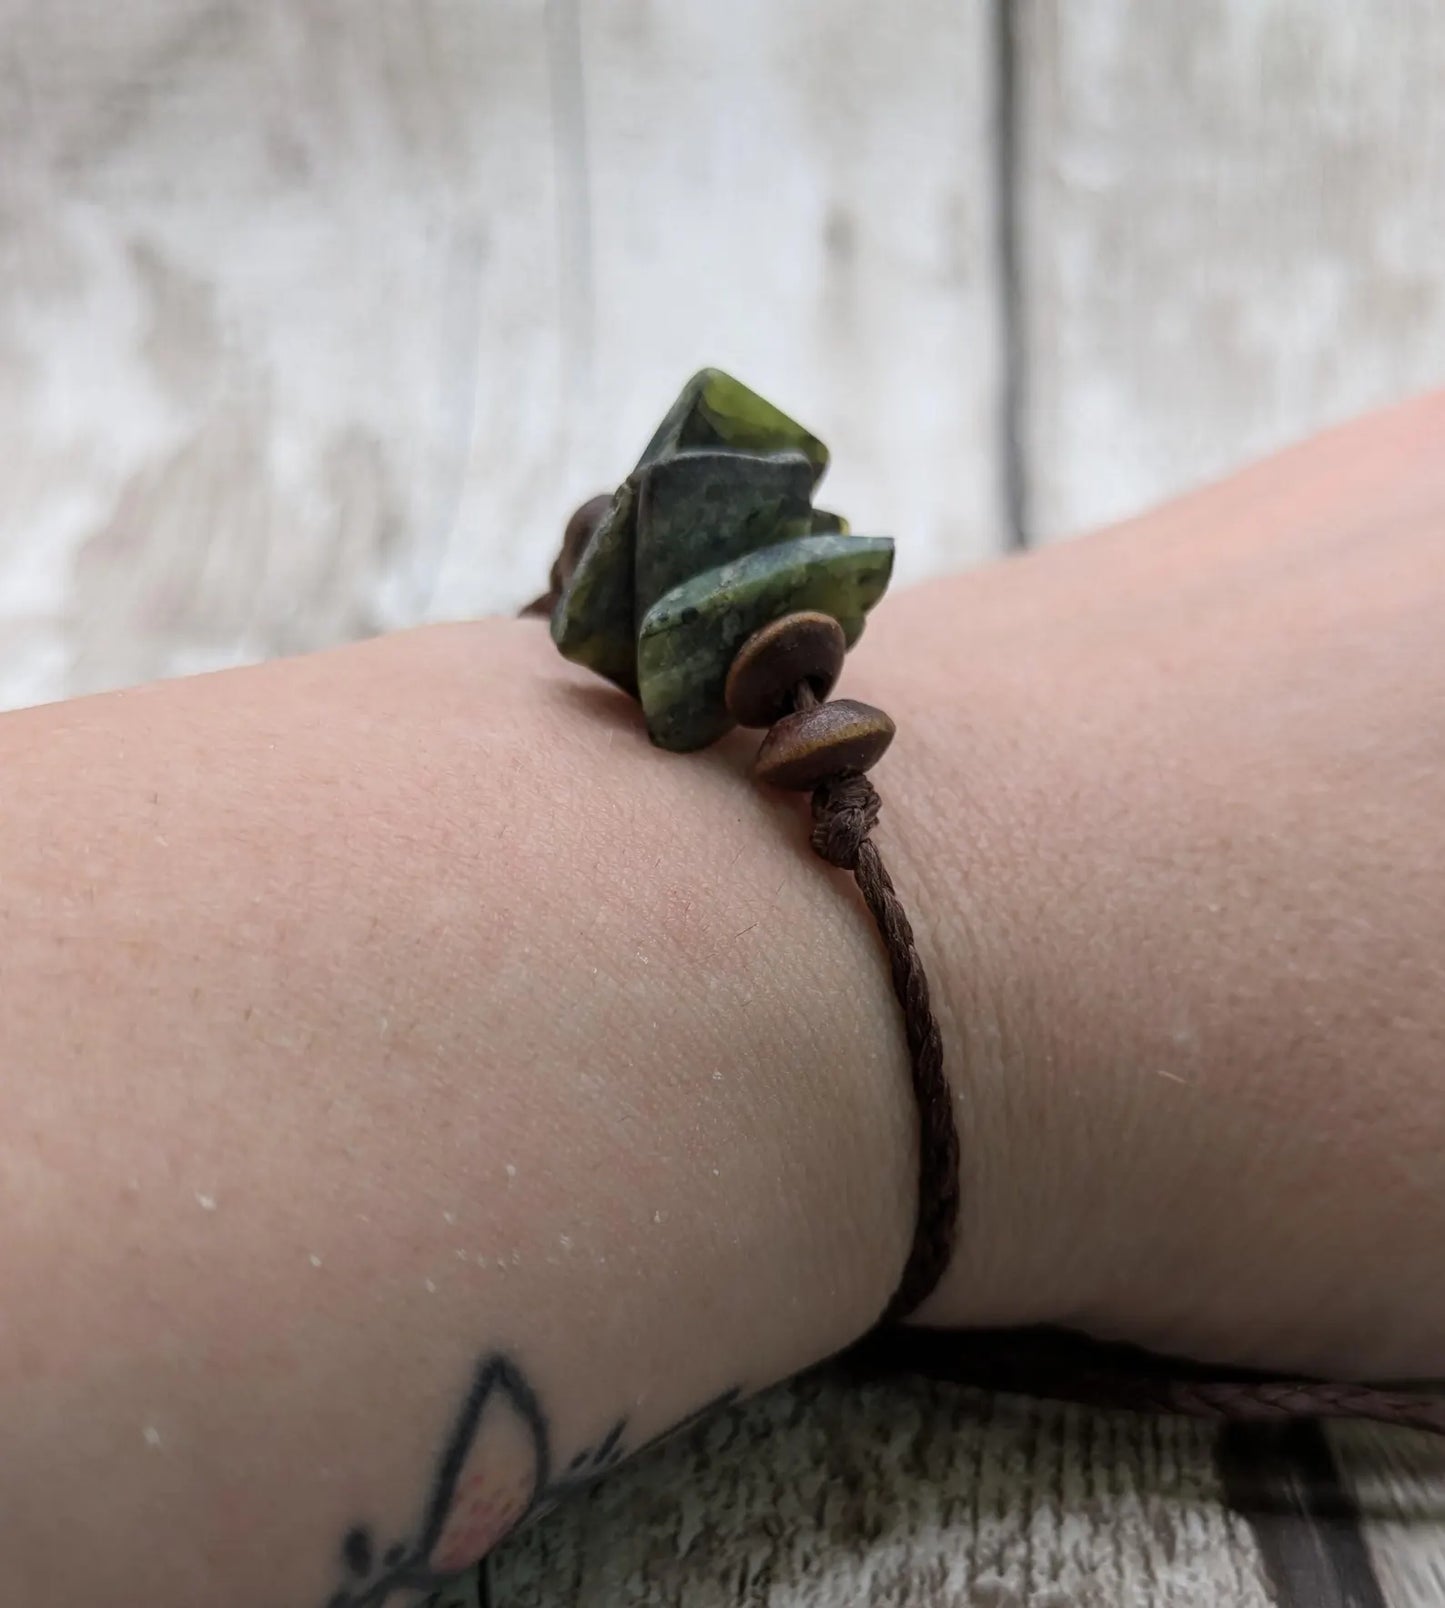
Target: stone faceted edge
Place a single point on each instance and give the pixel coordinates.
(715, 410)
(689, 638)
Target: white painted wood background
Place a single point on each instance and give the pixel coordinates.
(317, 316)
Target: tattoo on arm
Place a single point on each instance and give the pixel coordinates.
(477, 1494)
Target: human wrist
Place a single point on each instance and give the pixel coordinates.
(743, 981)
(823, 954)
(967, 760)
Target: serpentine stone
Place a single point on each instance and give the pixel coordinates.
(710, 537)
(699, 509)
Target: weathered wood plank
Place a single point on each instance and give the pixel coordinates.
(250, 257)
(1285, 1480)
(1231, 217)
(825, 1495)
(1397, 1482)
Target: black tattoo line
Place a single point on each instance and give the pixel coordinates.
(421, 1562)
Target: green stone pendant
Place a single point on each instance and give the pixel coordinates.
(712, 536)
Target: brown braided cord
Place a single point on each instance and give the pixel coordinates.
(845, 810)
(1095, 1373)
(1262, 1402)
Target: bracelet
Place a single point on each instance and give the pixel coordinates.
(709, 588)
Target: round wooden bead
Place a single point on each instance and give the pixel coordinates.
(578, 533)
(774, 661)
(808, 747)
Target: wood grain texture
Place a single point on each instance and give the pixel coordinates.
(1232, 215)
(1397, 1484)
(824, 1495)
(249, 254)
(1287, 1482)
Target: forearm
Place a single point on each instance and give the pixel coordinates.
(365, 1019)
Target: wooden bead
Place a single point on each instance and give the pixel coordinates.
(580, 526)
(774, 661)
(806, 748)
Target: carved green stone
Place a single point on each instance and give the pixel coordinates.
(699, 509)
(689, 638)
(710, 537)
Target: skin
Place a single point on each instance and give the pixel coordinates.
(370, 1014)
